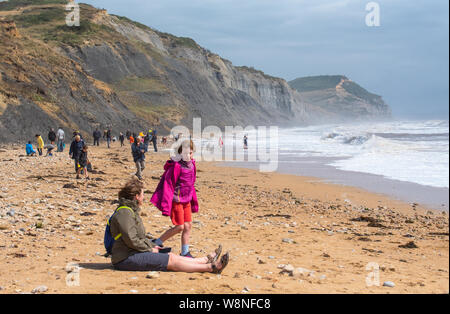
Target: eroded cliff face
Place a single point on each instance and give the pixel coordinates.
(113, 71)
(204, 83)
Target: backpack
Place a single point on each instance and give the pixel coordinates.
(109, 240)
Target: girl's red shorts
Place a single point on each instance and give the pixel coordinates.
(181, 213)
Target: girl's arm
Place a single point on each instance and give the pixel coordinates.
(170, 181)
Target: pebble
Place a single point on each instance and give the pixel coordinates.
(152, 275)
(11, 213)
(40, 289)
(245, 290)
(288, 240)
(389, 284)
(134, 291)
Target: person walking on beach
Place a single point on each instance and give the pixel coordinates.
(40, 143)
(176, 197)
(138, 152)
(108, 137)
(75, 150)
(60, 137)
(29, 149)
(133, 251)
(121, 139)
(154, 140)
(96, 135)
(51, 135)
(83, 162)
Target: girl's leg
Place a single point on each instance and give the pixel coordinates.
(171, 232)
(185, 237)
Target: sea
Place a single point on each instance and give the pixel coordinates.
(408, 160)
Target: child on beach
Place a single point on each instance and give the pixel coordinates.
(29, 149)
(175, 195)
(40, 144)
(83, 162)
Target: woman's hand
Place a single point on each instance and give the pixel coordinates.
(156, 249)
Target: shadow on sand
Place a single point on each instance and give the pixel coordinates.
(96, 266)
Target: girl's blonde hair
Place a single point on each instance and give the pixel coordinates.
(184, 143)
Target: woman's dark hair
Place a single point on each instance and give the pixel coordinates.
(191, 143)
(29, 142)
(37, 135)
(131, 189)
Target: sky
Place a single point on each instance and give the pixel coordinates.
(405, 59)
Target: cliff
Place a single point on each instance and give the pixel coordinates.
(341, 96)
(114, 71)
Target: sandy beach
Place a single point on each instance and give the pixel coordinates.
(285, 233)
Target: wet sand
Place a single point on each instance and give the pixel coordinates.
(328, 233)
(433, 197)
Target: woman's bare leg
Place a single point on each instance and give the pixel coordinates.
(187, 265)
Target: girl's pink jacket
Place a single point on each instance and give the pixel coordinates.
(163, 196)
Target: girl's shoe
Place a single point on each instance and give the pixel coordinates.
(218, 251)
(188, 254)
(224, 261)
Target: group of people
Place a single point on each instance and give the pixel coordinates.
(56, 140)
(176, 197)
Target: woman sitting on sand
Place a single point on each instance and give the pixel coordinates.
(133, 251)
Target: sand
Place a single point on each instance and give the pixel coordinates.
(329, 234)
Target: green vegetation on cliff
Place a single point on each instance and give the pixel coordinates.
(311, 83)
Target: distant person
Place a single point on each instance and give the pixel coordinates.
(121, 139)
(60, 137)
(51, 135)
(133, 251)
(138, 152)
(75, 150)
(50, 147)
(245, 142)
(83, 162)
(108, 137)
(29, 149)
(97, 135)
(40, 143)
(164, 140)
(176, 197)
(154, 140)
(147, 139)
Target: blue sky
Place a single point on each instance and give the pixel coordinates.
(405, 59)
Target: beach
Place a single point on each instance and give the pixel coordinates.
(285, 233)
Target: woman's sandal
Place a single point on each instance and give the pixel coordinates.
(212, 259)
(224, 261)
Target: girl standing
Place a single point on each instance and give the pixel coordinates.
(175, 195)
